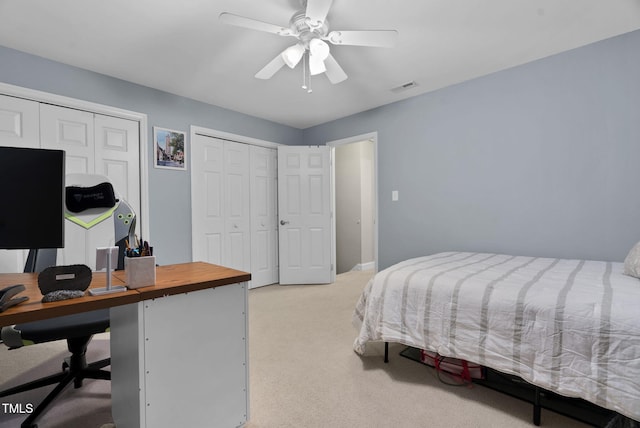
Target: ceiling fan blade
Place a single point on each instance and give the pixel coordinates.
(270, 69)
(334, 72)
(317, 11)
(254, 24)
(374, 38)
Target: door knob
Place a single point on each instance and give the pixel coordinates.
(282, 222)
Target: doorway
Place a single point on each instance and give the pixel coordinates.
(355, 203)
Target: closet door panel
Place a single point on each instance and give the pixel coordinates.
(70, 130)
(19, 127)
(207, 199)
(237, 206)
(264, 251)
(19, 122)
(117, 154)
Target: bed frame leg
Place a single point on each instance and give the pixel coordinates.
(536, 407)
(386, 352)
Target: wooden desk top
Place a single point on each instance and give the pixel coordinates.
(34, 310)
(188, 277)
(170, 279)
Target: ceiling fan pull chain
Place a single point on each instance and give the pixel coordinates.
(304, 71)
(308, 73)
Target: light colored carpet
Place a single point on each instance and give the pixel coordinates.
(304, 374)
(87, 407)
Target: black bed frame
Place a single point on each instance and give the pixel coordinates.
(540, 398)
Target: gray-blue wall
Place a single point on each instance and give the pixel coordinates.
(169, 191)
(541, 159)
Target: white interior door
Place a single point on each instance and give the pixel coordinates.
(304, 209)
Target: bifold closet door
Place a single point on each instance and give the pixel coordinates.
(19, 127)
(264, 216)
(220, 202)
(234, 207)
(207, 199)
(237, 198)
(19, 122)
(94, 144)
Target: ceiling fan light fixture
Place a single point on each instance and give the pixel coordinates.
(293, 54)
(319, 49)
(316, 65)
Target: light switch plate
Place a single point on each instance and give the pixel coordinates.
(394, 195)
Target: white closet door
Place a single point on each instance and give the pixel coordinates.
(237, 242)
(264, 217)
(94, 144)
(207, 201)
(19, 122)
(117, 156)
(72, 131)
(19, 127)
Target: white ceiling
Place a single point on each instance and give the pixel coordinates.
(179, 46)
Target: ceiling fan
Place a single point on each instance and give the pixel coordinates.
(311, 29)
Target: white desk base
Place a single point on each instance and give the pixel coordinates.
(181, 360)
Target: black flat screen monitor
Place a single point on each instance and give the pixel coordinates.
(31, 198)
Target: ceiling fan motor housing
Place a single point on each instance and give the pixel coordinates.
(299, 24)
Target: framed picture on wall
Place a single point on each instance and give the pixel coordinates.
(169, 149)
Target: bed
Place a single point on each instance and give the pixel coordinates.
(568, 326)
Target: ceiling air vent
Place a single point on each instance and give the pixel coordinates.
(405, 87)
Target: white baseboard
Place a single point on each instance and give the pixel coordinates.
(364, 266)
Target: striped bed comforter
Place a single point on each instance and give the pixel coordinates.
(570, 326)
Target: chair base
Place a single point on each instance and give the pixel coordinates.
(75, 370)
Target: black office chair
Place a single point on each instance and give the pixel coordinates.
(77, 329)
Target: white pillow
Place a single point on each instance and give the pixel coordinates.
(632, 262)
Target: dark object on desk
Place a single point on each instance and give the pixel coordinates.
(79, 199)
(6, 296)
(58, 295)
(72, 277)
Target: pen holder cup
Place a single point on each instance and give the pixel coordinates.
(140, 271)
